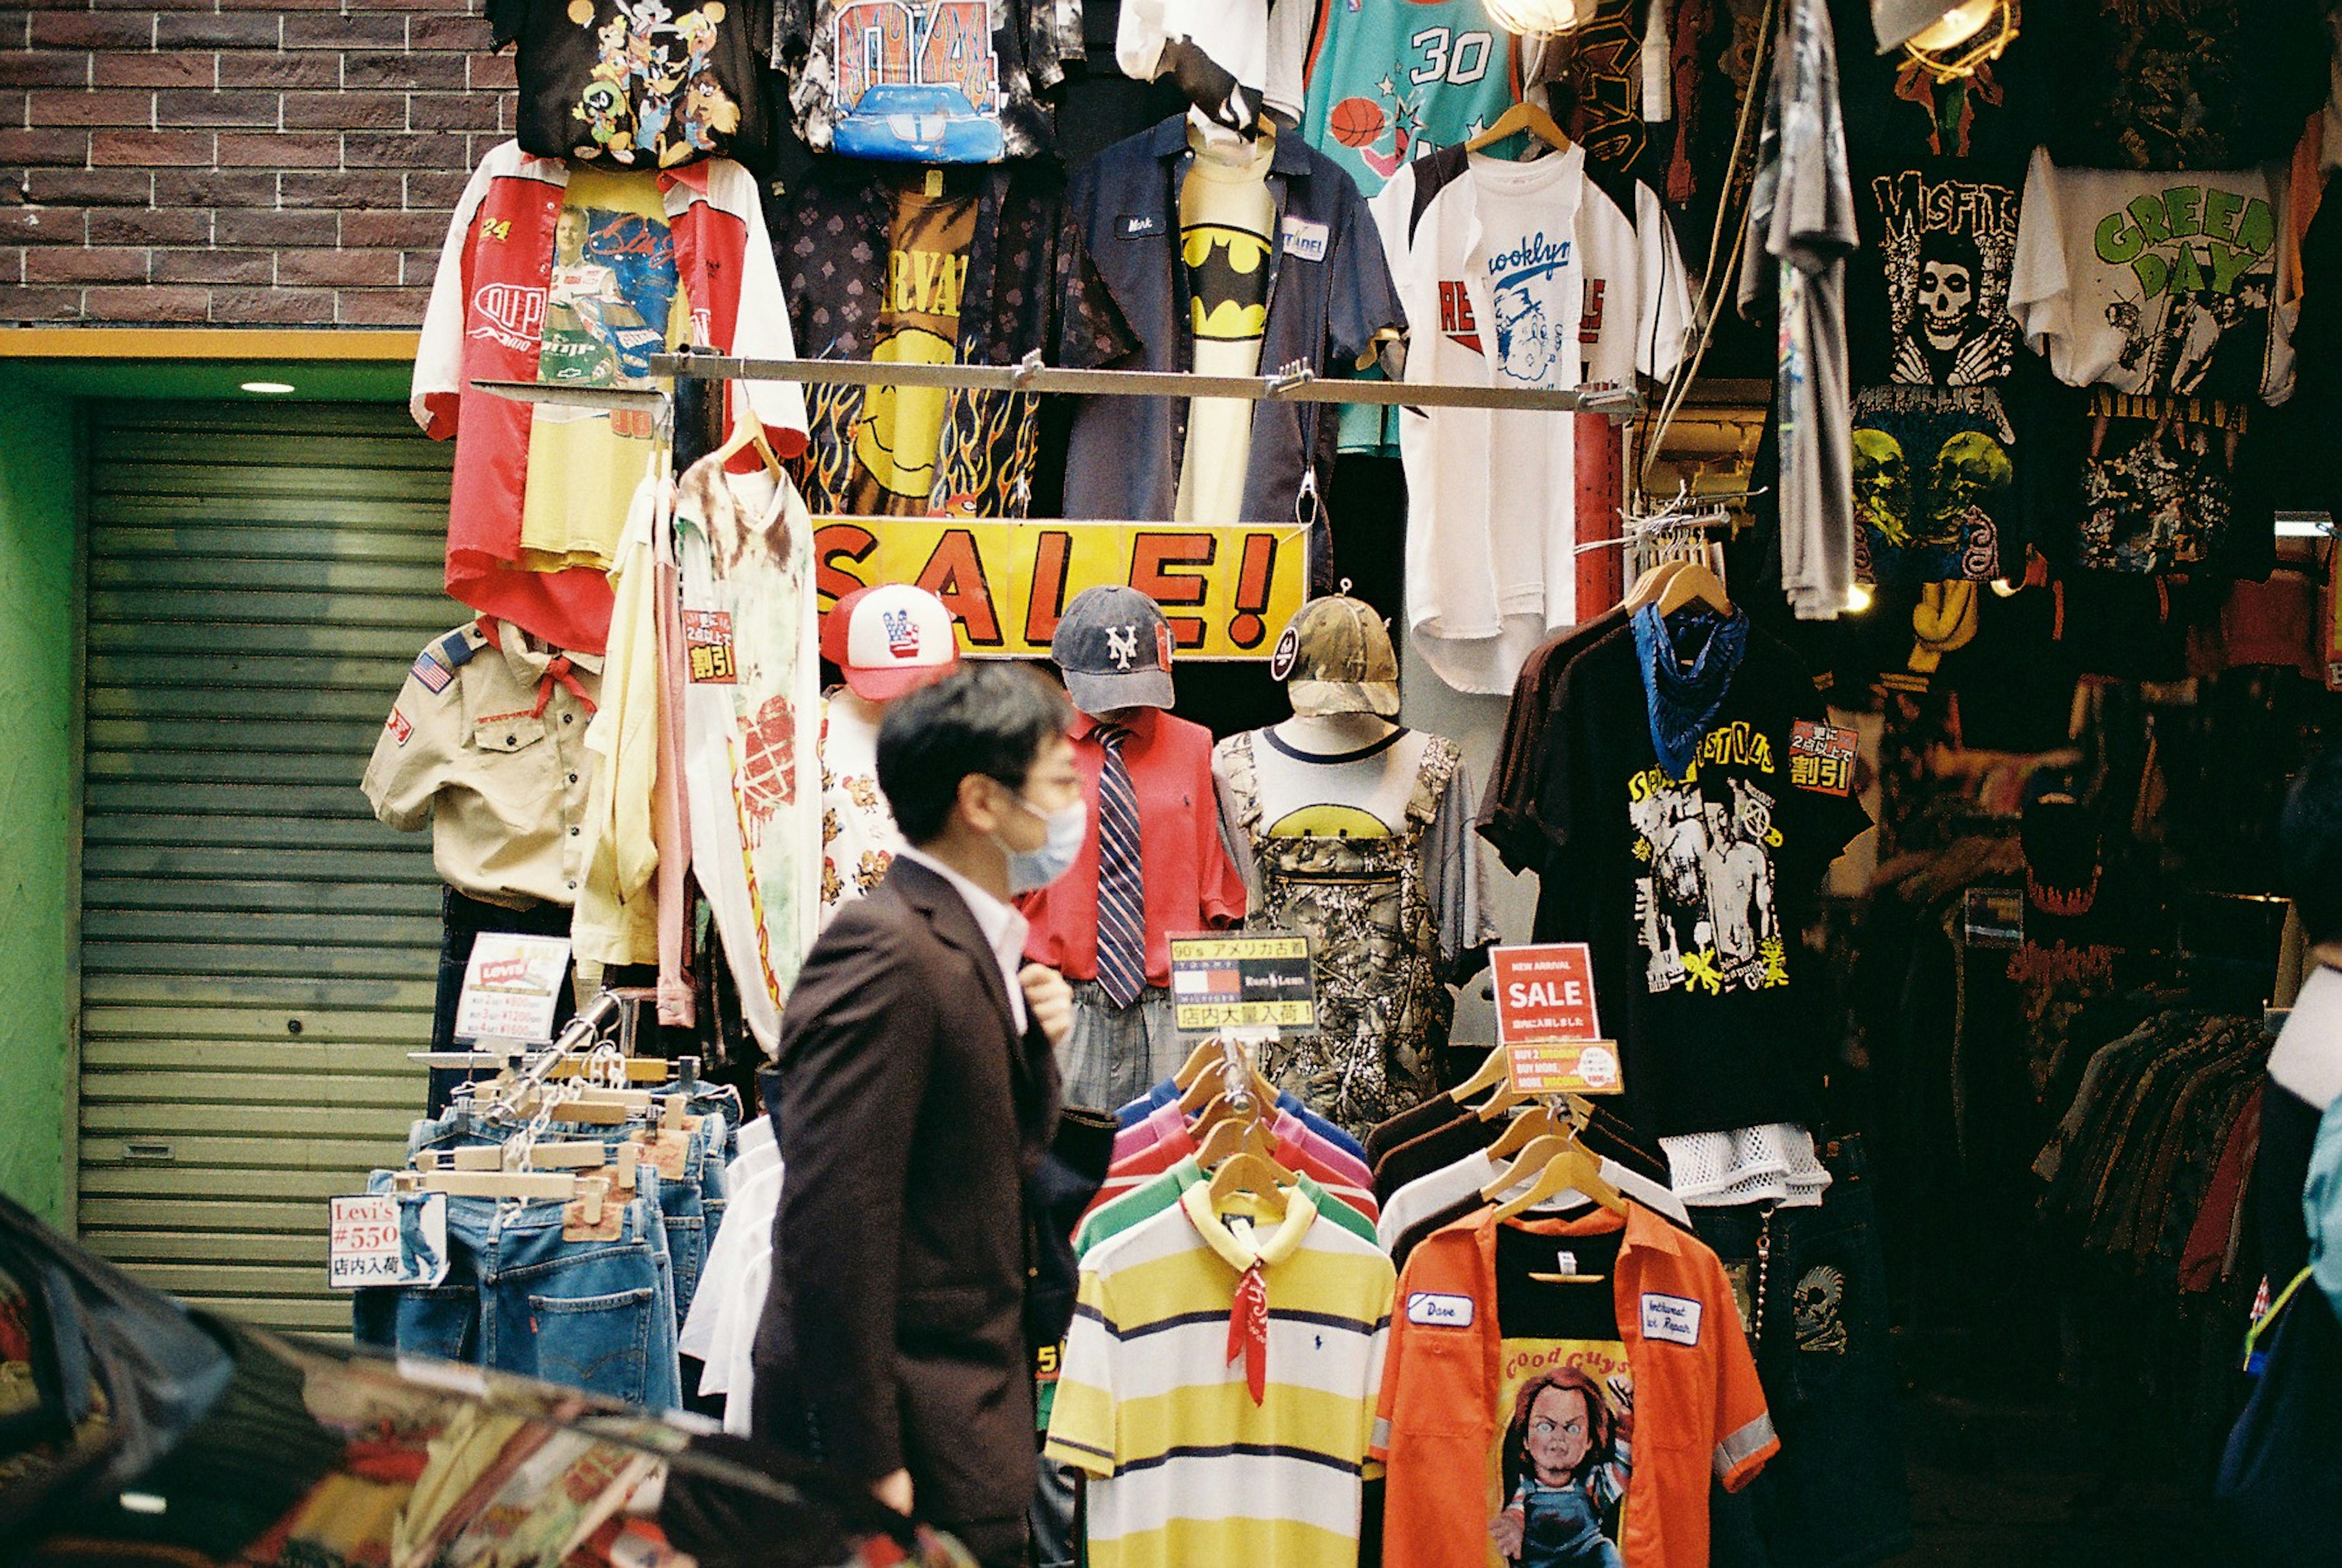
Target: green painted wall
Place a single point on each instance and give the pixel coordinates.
(41, 599)
(40, 785)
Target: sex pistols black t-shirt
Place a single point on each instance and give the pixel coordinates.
(1689, 888)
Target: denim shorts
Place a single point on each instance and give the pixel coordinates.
(1837, 1494)
(597, 1316)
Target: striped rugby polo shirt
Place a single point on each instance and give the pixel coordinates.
(1185, 1467)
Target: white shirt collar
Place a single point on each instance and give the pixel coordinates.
(1002, 926)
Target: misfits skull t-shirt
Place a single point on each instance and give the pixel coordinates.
(1940, 430)
(2167, 296)
(1690, 887)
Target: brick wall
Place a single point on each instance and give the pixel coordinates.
(236, 162)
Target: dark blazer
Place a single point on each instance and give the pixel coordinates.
(910, 1116)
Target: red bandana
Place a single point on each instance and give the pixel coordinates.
(559, 669)
(1248, 1331)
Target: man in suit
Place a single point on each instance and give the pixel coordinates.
(918, 1090)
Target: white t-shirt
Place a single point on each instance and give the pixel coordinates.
(2163, 284)
(1526, 275)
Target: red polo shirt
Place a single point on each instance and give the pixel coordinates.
(1191, 884)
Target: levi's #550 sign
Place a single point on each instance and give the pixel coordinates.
(1227, 591)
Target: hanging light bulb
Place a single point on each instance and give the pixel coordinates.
(1928, 31)
(1857, 599)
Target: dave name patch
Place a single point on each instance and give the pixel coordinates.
(1434, 1310)
(1674, 1320)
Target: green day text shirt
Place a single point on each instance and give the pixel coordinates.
(1691, 890)
(2168, 295)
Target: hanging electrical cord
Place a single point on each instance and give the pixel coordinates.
(1713, 284)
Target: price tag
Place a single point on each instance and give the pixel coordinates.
(512, 987)
(707, 647)
(1993, 916)
(1546, 1023)
(1821, 757)
(1223, 983)
(386, 1239)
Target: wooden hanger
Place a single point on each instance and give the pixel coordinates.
(1222, 1110)
(1560, 1165)
(749, 432)
(1257, 1175)
(1649, 585)
(1522, 116)
(1493, 1069)
(1201, 1058)
(1694, 580)
(1232, 1137)
(1212, 1084)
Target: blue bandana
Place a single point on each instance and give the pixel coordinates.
(1687, 668)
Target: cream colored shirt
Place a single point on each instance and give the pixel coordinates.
(503, 789)
(618, 906)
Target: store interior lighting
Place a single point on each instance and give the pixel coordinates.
(268, 388)
(1948, 40)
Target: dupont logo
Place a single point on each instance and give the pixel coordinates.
(510, 314)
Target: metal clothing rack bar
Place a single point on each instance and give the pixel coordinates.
(1292, 386)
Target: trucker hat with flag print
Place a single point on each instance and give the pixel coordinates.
(888, 640)
(1336, 657)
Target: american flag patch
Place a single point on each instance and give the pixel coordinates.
(431, 672)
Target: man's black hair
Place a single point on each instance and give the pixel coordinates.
(2310, 838)
(983, 718)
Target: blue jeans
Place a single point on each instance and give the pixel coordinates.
(1836, 1495)
(517, 1298)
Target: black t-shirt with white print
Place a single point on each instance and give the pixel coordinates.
(1690, 890)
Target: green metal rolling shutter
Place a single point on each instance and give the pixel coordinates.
(257, 952)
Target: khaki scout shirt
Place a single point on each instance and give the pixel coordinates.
(486, 745)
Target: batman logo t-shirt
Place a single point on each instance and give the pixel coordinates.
(1225, 213)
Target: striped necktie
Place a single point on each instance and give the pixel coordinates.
(1122, 886)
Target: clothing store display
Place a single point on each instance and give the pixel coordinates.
(888, 640)
(1801, 225)
(1220, 1382)
(1168, 1120)
(487, 744)
(1439, 1132)
(1296, 1147)
(954, 86)
(1330, 305)
(858, 836)
(1336, 657)
(1774, 1165)
(1113, 648)
(1164, 1093)
(1369, 854)
(1505, 257)
(639, 87)
(618, 907)
(720, 1329)
(1688, 906)
(1024, 281)
(1478, 1346)
(533, 286)
(1466, 1177)
(2173, 303)
(1942, 425)
(1217, 51)
(745, 546)
(1811, 1285)
(1620, 98)
(884, 1035)
(1227, 221)
(1191, 881)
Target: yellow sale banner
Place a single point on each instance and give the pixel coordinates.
(1227, 591)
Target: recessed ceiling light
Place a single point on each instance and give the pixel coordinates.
(273, 388)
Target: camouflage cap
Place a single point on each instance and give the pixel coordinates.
(1336, 658)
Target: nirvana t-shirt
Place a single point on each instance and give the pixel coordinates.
(1226, 218)
(900, 429)
(613, 300)
(639, 87)
(1687, 887)
(2168, 297)
(1564, 1403)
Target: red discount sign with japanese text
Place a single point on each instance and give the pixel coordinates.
(1546, 1023)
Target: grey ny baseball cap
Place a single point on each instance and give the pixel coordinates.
(1114, 648)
